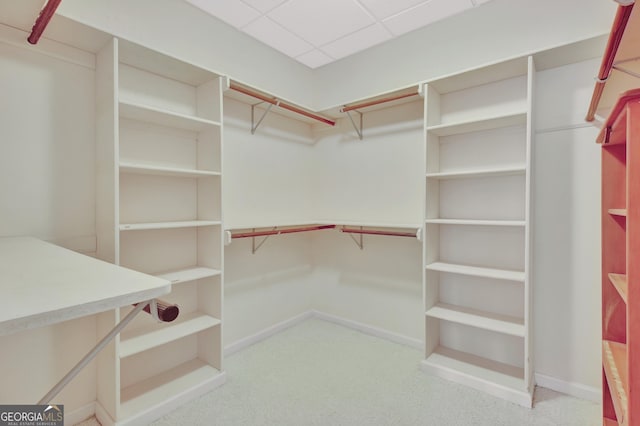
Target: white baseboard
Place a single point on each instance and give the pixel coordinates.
(373, 331)
(154, 412)
(574, 389)
(265, 334)
(80, 414)
(103, 417)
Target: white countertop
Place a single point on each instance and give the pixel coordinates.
(43, 284)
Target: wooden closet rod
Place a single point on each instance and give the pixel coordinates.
(166, 312)
(281, 104)
(374, 232)
(281, 231)
(376, 102)
(43, 19)
(617, 31)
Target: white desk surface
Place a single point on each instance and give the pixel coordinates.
(43, 284)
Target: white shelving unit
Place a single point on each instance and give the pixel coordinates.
(159, 161)
(477, 227)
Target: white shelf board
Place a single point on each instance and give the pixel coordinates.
(153, 393)
(161, 64)
(466, 174)
(188, 274)
(500, 274)
(145, 339)
(482, 75)
(495, 378)
(161, 117)
(43, 284)
(168, 225)
(479, 319)
(485, 123)
(146, 169)
(476, 222)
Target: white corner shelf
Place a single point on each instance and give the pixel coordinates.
(487, 123)
(186, 381)
(476, 222)
(495, 378)
(467, 174)
(146, 169)
(479, 319)
(189, 274)
(162, 117)
(476, 271)
(159, 334)
(168, 225)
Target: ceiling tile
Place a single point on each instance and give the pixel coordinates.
(384, 8)
(425, 14)
(479, 2)
(320, 22)
(314, 59)
(235, 13)
(357, 41)
(268, 32)
(264, 5)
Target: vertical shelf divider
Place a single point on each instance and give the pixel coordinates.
(477, 125)
(171, 198)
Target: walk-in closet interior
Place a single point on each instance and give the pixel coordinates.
(438, 188)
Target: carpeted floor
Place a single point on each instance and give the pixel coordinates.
(319, 373)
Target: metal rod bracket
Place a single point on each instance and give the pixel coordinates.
(254, 247)
(254, 125)
(358, 129)
(93, 353)
(358, 240)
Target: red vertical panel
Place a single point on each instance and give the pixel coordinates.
(633, 260)
(613, 240)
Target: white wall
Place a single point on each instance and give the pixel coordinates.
(47, 191)
(379, 287)
(377, 179)
(566, 256)
(498, 30)
(181, 30)
(267, 175)
(268, 180)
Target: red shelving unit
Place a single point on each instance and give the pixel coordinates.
(620, 139)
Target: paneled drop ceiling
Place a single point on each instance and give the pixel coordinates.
(317, 32)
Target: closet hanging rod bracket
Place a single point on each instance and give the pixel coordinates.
(356, 128)
(254, 124)
(254, 247)
(359, 240)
